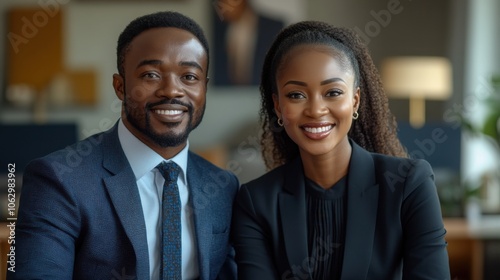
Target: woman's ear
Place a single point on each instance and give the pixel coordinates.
(118, 85)
(357, 99)
(276, 102)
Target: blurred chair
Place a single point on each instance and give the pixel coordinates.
(21, 143)
(440, 145)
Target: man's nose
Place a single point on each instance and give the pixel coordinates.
(171, 87)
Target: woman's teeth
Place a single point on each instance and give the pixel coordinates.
(318, 129)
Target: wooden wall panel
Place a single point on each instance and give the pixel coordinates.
(35, 59)
(35, 47)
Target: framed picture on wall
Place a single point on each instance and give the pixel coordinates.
(243, 31)
(37, 74)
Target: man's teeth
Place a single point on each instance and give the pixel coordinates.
(168, 112)
(318, 129)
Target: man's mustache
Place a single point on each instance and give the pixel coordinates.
(149, 106)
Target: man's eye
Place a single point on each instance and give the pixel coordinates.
(190, 77)
(151, 76)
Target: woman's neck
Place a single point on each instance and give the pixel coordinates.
(327, 169)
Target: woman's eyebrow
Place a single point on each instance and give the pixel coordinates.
(332, 80)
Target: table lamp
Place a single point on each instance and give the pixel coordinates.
(417, 78)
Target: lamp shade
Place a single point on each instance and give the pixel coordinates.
(418, 77)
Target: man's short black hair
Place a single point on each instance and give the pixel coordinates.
(155, 20)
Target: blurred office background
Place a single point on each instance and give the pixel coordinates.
(58, 58)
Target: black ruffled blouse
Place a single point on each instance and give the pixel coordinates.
(326, 220)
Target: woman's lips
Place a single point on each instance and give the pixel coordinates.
(317, 131)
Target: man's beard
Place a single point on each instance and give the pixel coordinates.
(167, 139)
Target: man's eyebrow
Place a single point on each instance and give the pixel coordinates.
(157, 62)
(149, 62)
(191, 64)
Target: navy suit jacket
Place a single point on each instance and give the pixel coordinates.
(394, 228)
(81, 217)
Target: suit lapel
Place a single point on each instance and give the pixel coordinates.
(362, 205)
(122, 189)
(292, 207)
(200, 209)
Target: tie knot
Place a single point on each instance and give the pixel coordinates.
(169, 170)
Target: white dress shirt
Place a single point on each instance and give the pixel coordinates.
(143, 161)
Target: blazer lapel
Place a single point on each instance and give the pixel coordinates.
(200, 209)
(362, 205)
(122, 189)
(292, 208)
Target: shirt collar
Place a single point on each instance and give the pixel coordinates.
(142, 158)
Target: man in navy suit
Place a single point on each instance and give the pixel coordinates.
(93, 210)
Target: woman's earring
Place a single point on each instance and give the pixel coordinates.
(355, 116)
(280, 122)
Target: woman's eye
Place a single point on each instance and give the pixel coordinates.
(295, 95)
(334, 93)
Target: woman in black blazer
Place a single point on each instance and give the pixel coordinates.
(342, 200)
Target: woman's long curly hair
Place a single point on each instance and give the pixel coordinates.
(375, 129)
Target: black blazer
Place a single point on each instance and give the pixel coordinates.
(394, 228)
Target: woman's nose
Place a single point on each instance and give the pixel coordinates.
(316, 106)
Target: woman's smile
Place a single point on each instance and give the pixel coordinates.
(317, 131)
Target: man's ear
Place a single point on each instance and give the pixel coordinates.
(276, 102)
(118, 85)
